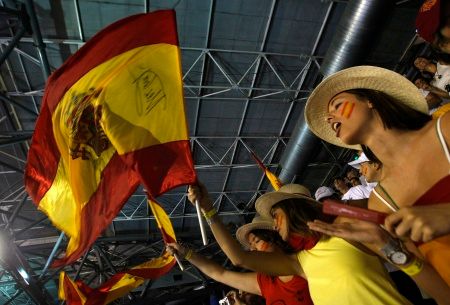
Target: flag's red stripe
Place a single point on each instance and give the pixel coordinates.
(99, 295)
(166, 236)
(118, 183)
(43, 158)
(151, 273)
(100, 48)
(174, 166)
(259, 162)
(71, 294)
(119, 37)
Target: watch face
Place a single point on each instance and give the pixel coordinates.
(399, 258)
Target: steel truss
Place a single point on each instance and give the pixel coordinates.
(113, 253)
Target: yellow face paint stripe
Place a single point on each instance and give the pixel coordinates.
(347, 109)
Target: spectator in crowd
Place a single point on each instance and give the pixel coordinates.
(440, 74)
(434, 96)
(336, 270)
(243, 298)
(355, 182)
(350, 193)
(370, 170)
(325, 192)
(256, 236)
(387, 115)
(353, 173)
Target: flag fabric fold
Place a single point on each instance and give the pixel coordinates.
(78, 293)
(273, 179)
(112, 118)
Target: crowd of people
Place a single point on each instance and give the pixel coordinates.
(299, 255)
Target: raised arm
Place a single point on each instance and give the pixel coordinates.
(269, 263)
(238, 280)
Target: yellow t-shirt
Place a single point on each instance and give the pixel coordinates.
(340, 273)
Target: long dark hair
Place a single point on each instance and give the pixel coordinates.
(300, 211)
(273, 237)
(393, 114)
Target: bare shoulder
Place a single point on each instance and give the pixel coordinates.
(445, 126)
(376, 204)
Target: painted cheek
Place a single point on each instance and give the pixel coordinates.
(264, 246)
(344, 106)
(347, 109)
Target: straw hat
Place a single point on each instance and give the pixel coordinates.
(258, 222)
(360, 77)
(265, 203)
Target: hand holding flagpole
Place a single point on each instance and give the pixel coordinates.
(177, 258)
(195, 194)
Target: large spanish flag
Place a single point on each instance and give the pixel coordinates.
(120, 284)
(112, 117)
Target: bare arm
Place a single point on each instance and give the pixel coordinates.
(438, 92)
(268, 263)
(238, 280)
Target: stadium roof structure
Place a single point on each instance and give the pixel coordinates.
(248, 68)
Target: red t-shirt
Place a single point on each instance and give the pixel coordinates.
(276, 292)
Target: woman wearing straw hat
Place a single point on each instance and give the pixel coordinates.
(384, 113)
(256, 236)
(337, 271)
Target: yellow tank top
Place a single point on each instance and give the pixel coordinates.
(340, 273)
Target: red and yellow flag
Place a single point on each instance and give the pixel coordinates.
(78, 293)
(274, 181)
(112, 117)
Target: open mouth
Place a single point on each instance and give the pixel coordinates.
(336, 126)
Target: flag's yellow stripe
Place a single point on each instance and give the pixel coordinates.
(139, 93)
(123, 286)
(162, 219)
(274, 181)
(156, 263)
(69, 193)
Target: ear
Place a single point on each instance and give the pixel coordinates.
(370, 105)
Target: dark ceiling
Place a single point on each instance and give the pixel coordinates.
(248, 67)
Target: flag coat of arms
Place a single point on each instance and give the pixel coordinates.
(112, 118)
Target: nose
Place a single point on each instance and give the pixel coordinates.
(329, 118)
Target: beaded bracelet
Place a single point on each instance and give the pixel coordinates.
(414, 267)
(211, 220)
(188, 254)
(210, 213)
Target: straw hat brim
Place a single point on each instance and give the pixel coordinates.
(265, 203)
(359, 77)
(243, 231)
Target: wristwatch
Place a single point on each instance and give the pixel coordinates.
(395, 253)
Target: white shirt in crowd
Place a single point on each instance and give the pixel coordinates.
(441, 78)
(356, 192)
